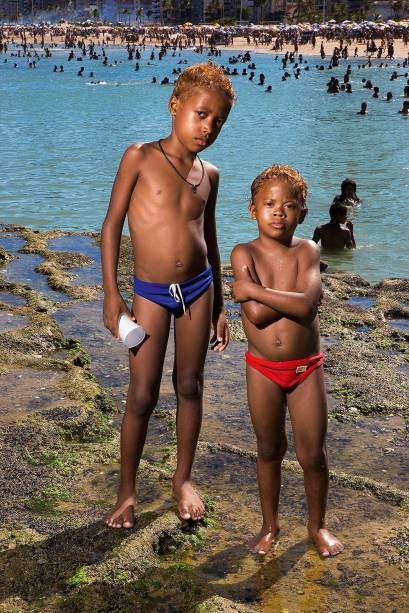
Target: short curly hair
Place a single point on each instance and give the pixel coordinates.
(286, 173)
(206, 75)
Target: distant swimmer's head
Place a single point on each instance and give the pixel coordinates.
(278, 201)
(338, 212)
(200, 104)
(405, 108)
(348, 189)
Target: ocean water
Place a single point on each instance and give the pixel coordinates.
(62, 139)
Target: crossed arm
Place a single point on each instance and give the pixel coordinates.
(245, 273)
(263, 305)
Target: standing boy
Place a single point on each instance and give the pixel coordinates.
(169, 195)
(277, 282)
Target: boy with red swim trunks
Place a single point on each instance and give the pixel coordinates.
(277, 282)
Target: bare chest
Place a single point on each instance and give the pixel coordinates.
(163, 198)
(279, 272)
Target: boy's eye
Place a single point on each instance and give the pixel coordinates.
(201, 114)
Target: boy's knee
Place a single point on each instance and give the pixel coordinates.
(142, 400)
(190, 385)
(312, 460)
(271, 453)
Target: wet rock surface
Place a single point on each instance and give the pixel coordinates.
(63, 382)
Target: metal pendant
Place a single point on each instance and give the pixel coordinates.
(194, 188)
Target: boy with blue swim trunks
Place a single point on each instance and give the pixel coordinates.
(169, 195)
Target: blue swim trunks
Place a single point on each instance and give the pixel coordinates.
(175, 297)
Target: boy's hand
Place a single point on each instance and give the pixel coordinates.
(242, 288)
(114, 306)
(221, 336)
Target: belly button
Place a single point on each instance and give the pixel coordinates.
(278, 342)
(179, 264)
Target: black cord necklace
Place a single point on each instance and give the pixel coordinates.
(194, 186)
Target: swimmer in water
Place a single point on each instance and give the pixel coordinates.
(337, 233)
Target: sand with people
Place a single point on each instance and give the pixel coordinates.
(157, 36)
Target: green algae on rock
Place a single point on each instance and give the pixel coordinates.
(4, 256)
(395, 548)
(56, 263)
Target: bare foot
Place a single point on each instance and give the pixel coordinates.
(325, 542)
(190, 505)
(262, 542)
(123, 514)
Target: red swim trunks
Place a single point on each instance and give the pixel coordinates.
(287, 374)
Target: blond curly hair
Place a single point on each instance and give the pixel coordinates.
(291, 175)
(206, 75)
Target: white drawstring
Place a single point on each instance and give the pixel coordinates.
(176, 293)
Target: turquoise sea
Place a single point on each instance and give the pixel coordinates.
(62, 139)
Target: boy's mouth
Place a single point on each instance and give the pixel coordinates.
(203, 142)
(277, 225)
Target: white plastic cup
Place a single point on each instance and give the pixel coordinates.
(130, 333)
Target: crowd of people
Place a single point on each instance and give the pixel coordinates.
(30, 42)
(28, 45)
(189, 35)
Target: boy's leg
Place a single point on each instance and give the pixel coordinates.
(307, 405)
(267, 405)
(192, 334)
(145, 365)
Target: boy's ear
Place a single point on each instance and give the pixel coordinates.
(252, 210)
(303, 214)
(173, 105)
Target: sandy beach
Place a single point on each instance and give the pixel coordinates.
(401, 51)
(241, 44)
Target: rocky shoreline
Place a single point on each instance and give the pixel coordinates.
(59, 453)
